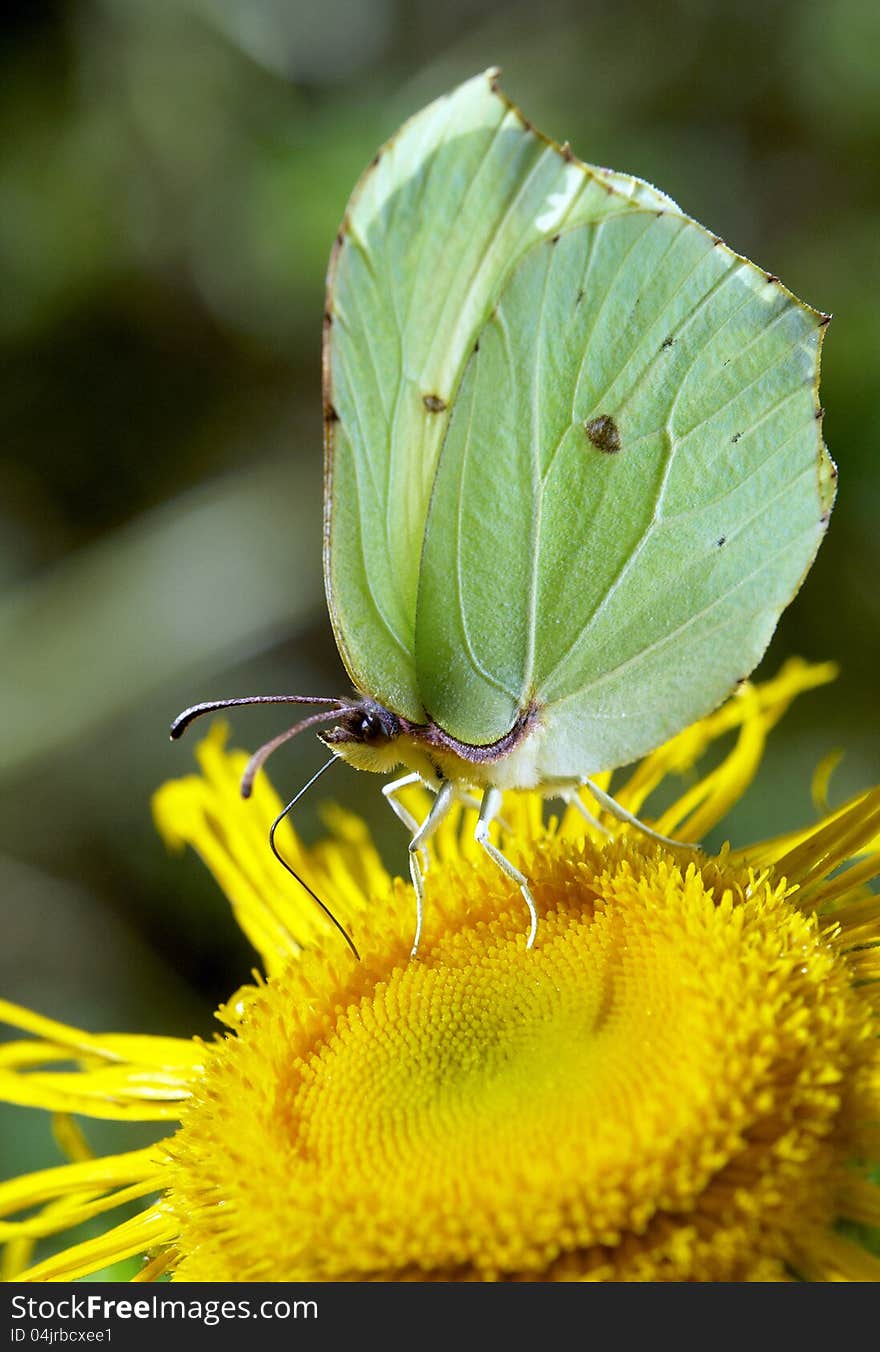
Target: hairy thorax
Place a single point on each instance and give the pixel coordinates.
(373, 738)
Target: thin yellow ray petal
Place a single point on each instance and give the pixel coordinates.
(763, 853)
(856, 915)
(161, 1052)
(344, 877)
(858, 936)
(774, 848)
(172, 1054)
(22, 1055)
(15, 1258)
(703, 806)
(97, 1175)
(59, 1033)
(123, 1241)
(794, 678)
(115, 1082)
(156, 1267)
(829, 1257)
(822, 780)
(860, 1201)
(865, 966)
(368, 872)
(70, 1138)
(26, 1059)
(129, 1081)
(184, 816)
(70, 1094)
(847, 833)
(850, 881)
(681, 752)
(73, 1212)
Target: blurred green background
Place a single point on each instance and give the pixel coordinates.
(172, 174)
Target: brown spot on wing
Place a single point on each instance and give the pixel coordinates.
(603, 433)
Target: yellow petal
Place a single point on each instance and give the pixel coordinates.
(123, 1241)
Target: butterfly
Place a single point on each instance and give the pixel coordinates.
(575, 468)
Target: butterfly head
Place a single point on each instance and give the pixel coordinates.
(367, 736)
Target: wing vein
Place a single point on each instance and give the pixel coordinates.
(765, 503)
(343, 362)
(379, 384)
(642, 338)
(456, 343)
(370, 590)
(459, 568)
(738, 393)
(691, 620)
(594, 234)
(537, 482)
(777, 450)
(426, 234)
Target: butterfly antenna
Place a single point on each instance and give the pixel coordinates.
(284, 864)
(183, 720)
(260, 756)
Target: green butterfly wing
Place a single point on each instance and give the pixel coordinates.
(573, 453)
(631, 489)
(432, 232)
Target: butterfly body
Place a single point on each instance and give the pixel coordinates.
(372, 737)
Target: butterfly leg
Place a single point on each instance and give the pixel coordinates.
(488, 813)
(611, 805)
(572, 797)
(401, 813)
(423, 833)
(390, 791)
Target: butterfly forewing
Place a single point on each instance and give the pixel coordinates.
(433, 231)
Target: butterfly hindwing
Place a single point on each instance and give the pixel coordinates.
(632, 485)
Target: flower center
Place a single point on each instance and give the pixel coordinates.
(643, 1093)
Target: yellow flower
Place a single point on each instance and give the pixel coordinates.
(680, 1081)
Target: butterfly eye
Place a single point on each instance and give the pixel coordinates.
(370, 727)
